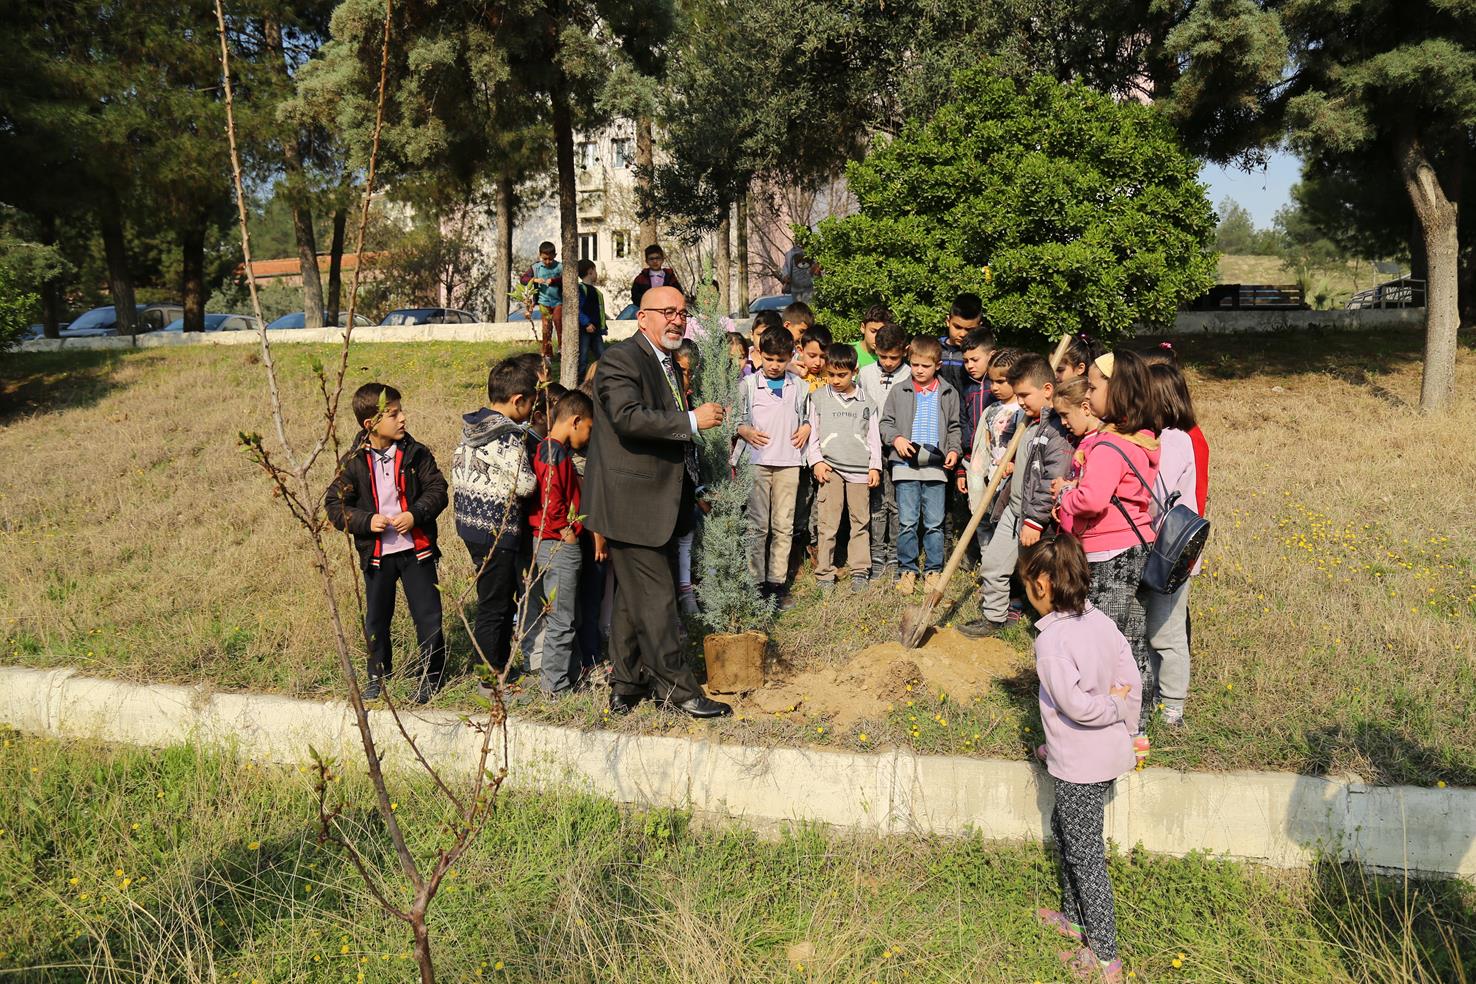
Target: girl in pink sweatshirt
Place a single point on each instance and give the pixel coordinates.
(1090, 697)
(1107, 507)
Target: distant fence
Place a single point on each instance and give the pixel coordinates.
(1402, 293)
(1240, 297)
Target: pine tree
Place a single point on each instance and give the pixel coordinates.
(728, 593)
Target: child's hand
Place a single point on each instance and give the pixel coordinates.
(823, 473)
(1029, 536)
(1121, 690)
(904, 447)
(753, 436)
(963, 484)
(404, 522)
(601, 550)
(949, 460)
(801, 436)
(873, 478)
(1009, 468)
(568, 536)
(378, 523)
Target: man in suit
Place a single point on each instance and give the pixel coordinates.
(640, 487)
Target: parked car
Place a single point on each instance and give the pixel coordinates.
(298, 319)
(220, 322)
(430, 316)
(102, 321)
(774, 302)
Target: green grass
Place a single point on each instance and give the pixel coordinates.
(182, 865)
(1334, 628)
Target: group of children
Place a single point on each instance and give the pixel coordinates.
(871, 439)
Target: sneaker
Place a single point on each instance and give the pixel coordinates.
(1052, 919)
(687, 600)
(1172, 716)
(371, 690)
(981, 628)
(825, 586)
(932, 580)
(1085, 966)
(783, 600)
(1140, 751)
(1013, 615)
(907, 583)
(859, 584)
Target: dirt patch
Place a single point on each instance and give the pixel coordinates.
(863, 686)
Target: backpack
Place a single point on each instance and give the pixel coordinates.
(1181, 536)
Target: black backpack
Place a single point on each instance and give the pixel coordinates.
(1181, 534)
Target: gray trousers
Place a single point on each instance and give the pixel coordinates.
(551, 614)
(1168, 635)
(996, 565)
(883, 526)
(771, 517)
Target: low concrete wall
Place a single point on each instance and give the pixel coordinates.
(1270, 818)
(1256, 322)
(506, 331)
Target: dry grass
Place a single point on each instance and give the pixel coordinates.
(1325, 289)
(1333, 628)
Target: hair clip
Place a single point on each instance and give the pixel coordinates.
(1166, 345)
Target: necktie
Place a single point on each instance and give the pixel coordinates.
(690, 456)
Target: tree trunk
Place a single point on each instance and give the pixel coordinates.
(1437, 213)
(723, 261)
(335, 265)
(192, 261)
(120, 280)
(742, 249)
(568, 232)
(645, 161)
(1419, 266)
(502, 277)
(297, 194)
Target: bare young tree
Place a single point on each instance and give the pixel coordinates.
(290, 470)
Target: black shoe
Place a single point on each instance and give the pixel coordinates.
(623, 704)
(426, 691)
(982, 629)
(701, 707)
(371, 690)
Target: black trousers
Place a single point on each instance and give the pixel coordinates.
(646, 657)
(424, 601)
(496, 585)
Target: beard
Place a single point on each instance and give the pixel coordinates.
(669, 343)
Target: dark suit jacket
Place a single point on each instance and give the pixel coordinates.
(633, 481)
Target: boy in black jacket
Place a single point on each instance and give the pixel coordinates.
(388, 494)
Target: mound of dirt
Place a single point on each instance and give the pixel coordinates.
(862, 687)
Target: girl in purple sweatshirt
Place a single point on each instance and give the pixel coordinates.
(1090, 697)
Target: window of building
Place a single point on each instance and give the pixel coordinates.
(585, 155)
(620, 244)
(622, 152)
(589, 246)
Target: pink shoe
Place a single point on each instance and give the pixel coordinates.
(1052, 919)
(1085, 966)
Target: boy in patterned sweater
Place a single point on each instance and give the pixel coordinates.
(491, 479)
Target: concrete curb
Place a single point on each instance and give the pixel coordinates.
(1277, 819)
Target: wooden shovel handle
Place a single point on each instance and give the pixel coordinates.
(962, 546)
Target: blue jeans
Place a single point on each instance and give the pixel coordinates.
(591, 347)
(919, 502)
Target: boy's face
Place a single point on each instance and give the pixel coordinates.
(1000, 386)
(841, 380)
(579, 432)
(1034, 398)
(796, 329)
(773, 365)
(547, 259)
(814, 359)
(655, 260)
(520, 408)
(390, 425)
(976, 362)
(959, 327)
(890, 360)
(924, 368)
(868, 334)
(589, 277)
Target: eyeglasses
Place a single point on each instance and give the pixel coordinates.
(670, 314)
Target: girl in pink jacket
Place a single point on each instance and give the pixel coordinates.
(1107, 507)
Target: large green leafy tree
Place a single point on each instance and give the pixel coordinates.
(1349, 78)
(1063, 209)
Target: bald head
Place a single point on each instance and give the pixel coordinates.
(663, 331)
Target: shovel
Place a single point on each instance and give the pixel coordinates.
(917, 619)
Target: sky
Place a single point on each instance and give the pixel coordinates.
(1261, 192)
